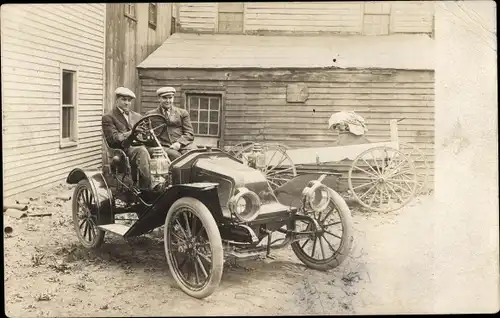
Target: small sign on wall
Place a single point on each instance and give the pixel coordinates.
(297, 93)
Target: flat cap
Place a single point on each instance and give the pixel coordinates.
(123, 91)
(165, 90)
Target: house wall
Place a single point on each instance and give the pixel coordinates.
(256, 108)
(365, 18)
(129, 41)
(37, 41)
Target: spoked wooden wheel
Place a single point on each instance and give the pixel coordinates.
(278, 166)
(421, 165)
(238, 148)
(330, 245)
(193, 247)
(85, 216)
(383, 179)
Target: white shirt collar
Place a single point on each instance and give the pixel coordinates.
(165, 111)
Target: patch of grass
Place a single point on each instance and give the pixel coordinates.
(53, 279)
(60, 267)
(345, 306)
(37, 259)
(87, 278)
(43, 297)
(351, 278)
(31, 227)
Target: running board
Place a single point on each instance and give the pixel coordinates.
(119, 229)
(245, 255)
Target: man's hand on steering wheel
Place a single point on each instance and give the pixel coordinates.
(145, 128)
(140, 130)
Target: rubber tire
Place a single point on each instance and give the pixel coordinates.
(99, 238)
(344, 249)
(208, 221)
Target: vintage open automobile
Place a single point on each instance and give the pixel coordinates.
(213, 208)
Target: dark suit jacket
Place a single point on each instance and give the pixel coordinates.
(179, 128)
(114, 126)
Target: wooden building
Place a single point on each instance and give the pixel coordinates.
(52, 91)
(308, 17)
(133, 31)
(60, 66)
(284, 85)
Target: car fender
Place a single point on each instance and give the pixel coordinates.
(100, 190)
(156, 214)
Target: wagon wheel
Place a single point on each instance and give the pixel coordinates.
(278, 168)
(237, 149)
(193, 247)
(84, 210)
(242, 149)
(421, 165)
(330, 245)
(383, 179)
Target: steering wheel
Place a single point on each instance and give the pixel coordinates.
(148, 126)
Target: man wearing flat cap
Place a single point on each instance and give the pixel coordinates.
(117, 126)
(178, 137)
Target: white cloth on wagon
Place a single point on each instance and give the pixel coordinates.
(348, 121)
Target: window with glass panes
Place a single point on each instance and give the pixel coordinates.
(205, 113)
(68, 118)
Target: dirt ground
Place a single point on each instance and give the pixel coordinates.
(47, 273)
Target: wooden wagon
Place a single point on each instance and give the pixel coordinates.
(381, 176)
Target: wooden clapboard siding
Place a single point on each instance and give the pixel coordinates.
(309, 17)
(412, 17)
(304, 17)
(199, 17)
(36, 41)
(255, 106)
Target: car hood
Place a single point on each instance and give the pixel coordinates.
(240, 173)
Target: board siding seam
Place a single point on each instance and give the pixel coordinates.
(70, 24)
(76, 21)
(53, 152)
(45, 57)
(32, 26)
(29, 154)
(24, 169)
(53, 179)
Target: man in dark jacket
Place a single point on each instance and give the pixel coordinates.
(178, 138)
(117, 125)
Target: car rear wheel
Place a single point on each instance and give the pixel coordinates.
(329, 246)
(84, 210)
(193, 247)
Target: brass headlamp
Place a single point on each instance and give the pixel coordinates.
(245, 205)
(316, 195)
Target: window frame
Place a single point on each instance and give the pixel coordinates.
(128, 14)
(220, 94)
(152, 24)
(71, 141)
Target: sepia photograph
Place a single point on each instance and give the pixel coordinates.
(250, 158)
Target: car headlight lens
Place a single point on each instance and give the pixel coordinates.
(245, 205)
(316, 195)
(241, 205)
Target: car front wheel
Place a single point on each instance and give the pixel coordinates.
(193, 247)
(84, 208)
(329, 245)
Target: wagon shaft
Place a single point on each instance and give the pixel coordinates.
(331, 154)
